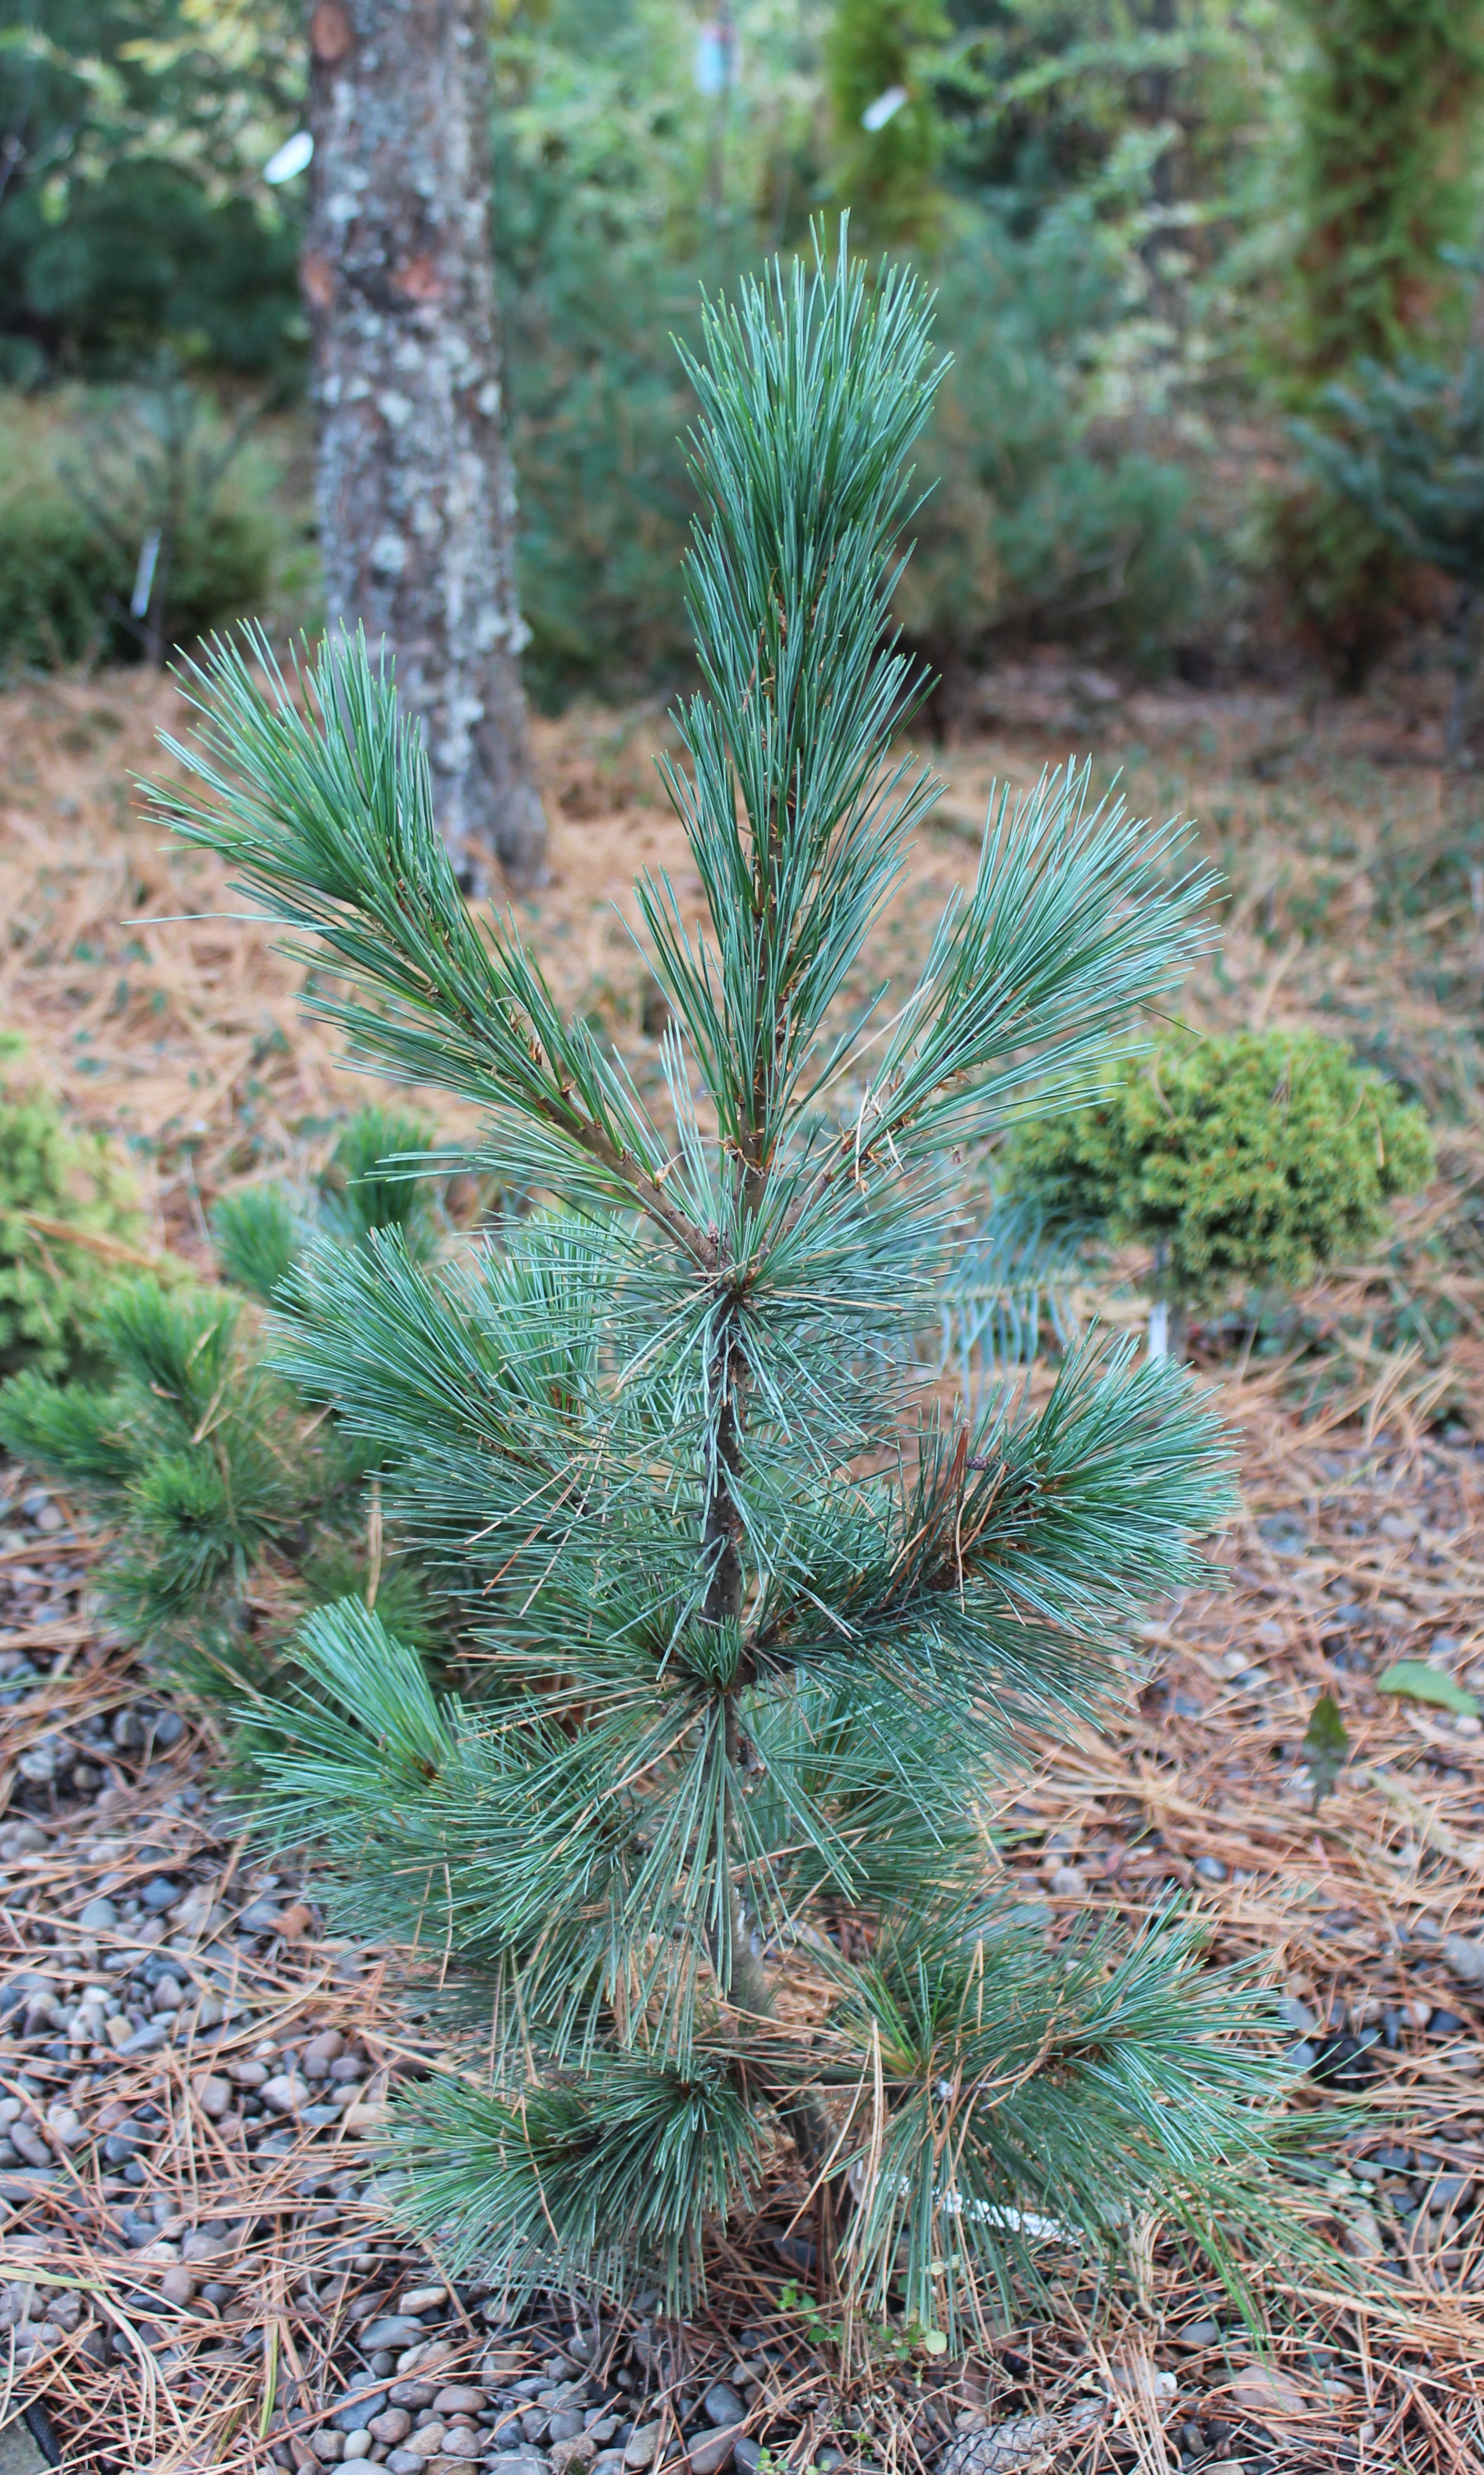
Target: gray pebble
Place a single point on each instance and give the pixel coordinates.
(563, 2426)
(722, 2404)
(99, 1915)
(1296, 2015)
(1285, 1532)
(356, 2411)
(260, 1916)
(162, 1893)
(20, 2189)
(1210, 1868)
(1449, 2192)
(746, 2454)
(711, 2452)
(154, 2032)
(396, 2329)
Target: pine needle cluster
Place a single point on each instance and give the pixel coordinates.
(754, 1626)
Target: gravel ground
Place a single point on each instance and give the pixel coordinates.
(201, 2272)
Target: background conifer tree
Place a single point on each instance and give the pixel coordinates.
(761, 1626)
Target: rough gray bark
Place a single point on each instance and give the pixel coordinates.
(417, 505)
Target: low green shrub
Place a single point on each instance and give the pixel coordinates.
(81, 481)
(59, 574)
(1257, 1158)
(1037, 517)
(65, 583)
(231, 1507)
(1042, 516)
(1042, 513)
(57, 1180)
(887, 174)
(147, 251)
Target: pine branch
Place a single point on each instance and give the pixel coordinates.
(328, 816)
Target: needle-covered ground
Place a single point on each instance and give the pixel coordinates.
(193, 2070)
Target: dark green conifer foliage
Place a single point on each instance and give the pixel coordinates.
(760, 1628)
(1406, 447)
(1389, 96)
(229, 1506)
(1389, 101)
(370, 1183)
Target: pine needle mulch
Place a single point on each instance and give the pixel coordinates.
(1362, 1543)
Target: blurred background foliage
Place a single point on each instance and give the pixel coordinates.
(1159, 229)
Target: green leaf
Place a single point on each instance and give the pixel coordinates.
(1326, 1746)
(1416, 1681)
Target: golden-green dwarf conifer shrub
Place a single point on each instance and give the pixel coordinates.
(1253, 1157)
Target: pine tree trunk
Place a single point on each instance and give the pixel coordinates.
(417, 507)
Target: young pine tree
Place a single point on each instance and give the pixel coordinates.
(761, 1629)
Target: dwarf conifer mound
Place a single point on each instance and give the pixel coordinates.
(758, 1629)
(1251, 1157)
(68, 1211)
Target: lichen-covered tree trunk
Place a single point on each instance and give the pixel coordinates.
(417, 505)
